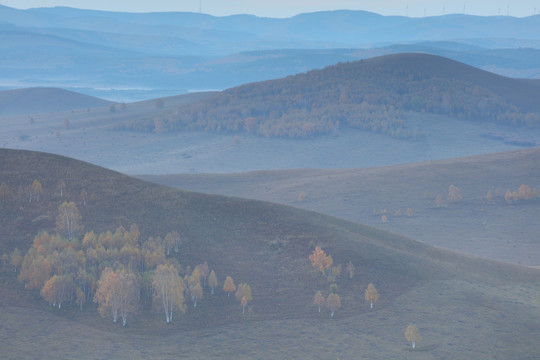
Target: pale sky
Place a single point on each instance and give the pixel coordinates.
(287, 8)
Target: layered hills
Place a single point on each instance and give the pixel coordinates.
(457, 301)
(127, 57)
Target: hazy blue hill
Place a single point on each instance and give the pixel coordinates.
(40, 100)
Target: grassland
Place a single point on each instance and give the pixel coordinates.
(491, 229)
(464, 306)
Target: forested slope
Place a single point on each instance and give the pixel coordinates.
(378, 94)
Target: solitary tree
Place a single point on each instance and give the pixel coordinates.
(412, 335)
(229, 286)
(61, 185)
(371, 294)
(169, 290)
(68, 220)
(333, 303)
(319, 300)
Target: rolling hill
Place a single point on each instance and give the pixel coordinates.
(492, 229)
(379, 94)
(41, 100)
(457, 301)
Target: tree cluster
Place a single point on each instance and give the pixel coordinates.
(116, 270)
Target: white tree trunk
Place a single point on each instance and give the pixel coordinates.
(413, 345)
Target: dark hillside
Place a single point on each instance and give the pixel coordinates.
(377, 94)
(267, 246)
(42, 100)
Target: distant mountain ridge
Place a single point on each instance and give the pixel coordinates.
(187, 51)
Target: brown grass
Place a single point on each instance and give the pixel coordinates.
(462, 305)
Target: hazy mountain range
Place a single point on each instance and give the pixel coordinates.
(134, 56)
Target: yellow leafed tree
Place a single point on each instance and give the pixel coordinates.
(412, 335)
(371, 294)
(229, 286)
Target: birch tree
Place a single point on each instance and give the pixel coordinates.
(169, 290)
(244, 295)
(212, 281)
(229, 286)
(333, 303)
(412, 335)
(68, 220)
(107, 295)
(319, 300)
(371, 295)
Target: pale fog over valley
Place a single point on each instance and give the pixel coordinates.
(269, 180)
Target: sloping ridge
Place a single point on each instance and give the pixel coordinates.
(264, 244)
(41, 100)
(520, 92)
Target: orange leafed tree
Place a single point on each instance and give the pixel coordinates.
(319, 300)
(320, 260)
(333, 303)
(229, 286)
(244, 295)
(371, 294)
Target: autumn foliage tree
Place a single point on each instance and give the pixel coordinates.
(319, 300)
(116, 293)
(228, 285)
(320, 260)
(169, 290)
(412, 334)
(454, 194)
(333, 303)
(371, 295)
(243, 294)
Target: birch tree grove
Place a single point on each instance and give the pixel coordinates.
(169, 290)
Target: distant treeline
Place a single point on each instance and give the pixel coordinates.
(370, 95)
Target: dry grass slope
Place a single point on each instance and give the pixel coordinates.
(464, 305)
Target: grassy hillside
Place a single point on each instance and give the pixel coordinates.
(377, 94)
(456, 301)
(494, 229)
(41, 100)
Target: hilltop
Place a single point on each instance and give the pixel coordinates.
(42, 100)
(379, 94)
(265, 245)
